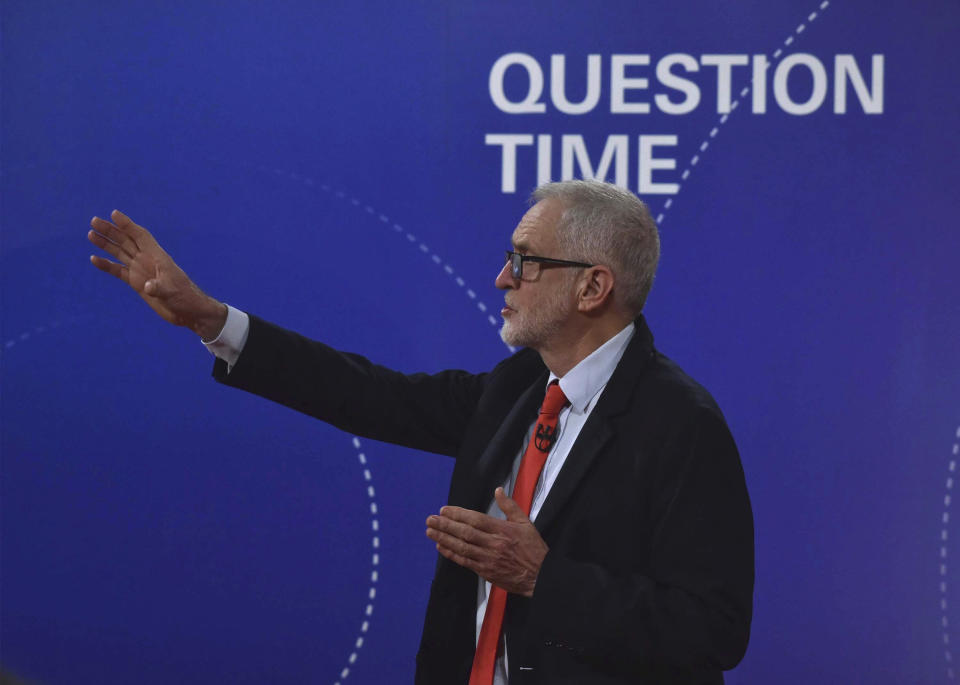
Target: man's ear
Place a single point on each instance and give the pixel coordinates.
(595, 289)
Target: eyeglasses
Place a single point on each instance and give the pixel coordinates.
(516, 260)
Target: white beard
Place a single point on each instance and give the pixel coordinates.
(537, 325)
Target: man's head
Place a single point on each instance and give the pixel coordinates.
(611, 236)
(605, 224)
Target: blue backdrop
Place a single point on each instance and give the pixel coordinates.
(340, 168)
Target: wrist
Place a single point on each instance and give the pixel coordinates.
(211, 320)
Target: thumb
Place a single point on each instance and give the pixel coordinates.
(509, 507)
(156, 287)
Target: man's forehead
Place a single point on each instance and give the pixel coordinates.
(538, 226)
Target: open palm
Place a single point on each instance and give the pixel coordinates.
(147, 268)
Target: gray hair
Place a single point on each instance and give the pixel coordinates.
(605, 224)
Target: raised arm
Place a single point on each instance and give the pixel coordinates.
(151, 272)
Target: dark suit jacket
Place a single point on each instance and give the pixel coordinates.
(649, 577)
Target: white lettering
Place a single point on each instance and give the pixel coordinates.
(577, 162)
(529, 103)
(619, 83)
(845, 68)
(558, 87)
(685, 86)
(648, 163)
(760, 66)
(724, 65)
(508, 163)
(677, 77)
(544, 158)
(616, 150)
(781, 92)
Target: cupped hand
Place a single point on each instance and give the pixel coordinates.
(507, 553)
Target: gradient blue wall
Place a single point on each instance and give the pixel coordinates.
(326, 165)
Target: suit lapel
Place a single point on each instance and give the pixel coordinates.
(599, 431)
(592, 439)
(497, 458)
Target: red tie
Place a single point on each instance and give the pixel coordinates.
(534, 457)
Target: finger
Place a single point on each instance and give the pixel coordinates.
(462, 531)
(111, 268)
(509, 507)
(121, 219)
(113, 234)
(110, 248)
(459, 559)
(126, 224)
(456, 544)
(483, 522)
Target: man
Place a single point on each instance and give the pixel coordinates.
(607, 537)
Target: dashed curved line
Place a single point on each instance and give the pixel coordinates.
(775, 56)
(422, 247)
(374, 562)
(367, 477)
(944, 534)
(448, 269)
(24, 336)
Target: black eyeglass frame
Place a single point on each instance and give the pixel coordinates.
(516, 262)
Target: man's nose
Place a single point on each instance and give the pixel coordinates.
(505, 279)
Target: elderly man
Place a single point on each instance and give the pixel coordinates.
(598, 528)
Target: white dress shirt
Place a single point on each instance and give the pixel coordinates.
(582, 385)
(229, 344)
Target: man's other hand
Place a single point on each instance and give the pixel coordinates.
(507, 553)
(144, 266)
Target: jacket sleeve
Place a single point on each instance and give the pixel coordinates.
(424, 411)
(689, 612)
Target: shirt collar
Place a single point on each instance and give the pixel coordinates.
(582, 383)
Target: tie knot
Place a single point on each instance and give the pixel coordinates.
(554, 401)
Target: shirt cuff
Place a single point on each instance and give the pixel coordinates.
(229, 344)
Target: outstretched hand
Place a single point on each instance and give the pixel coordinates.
(151, 272)
(507, 553)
